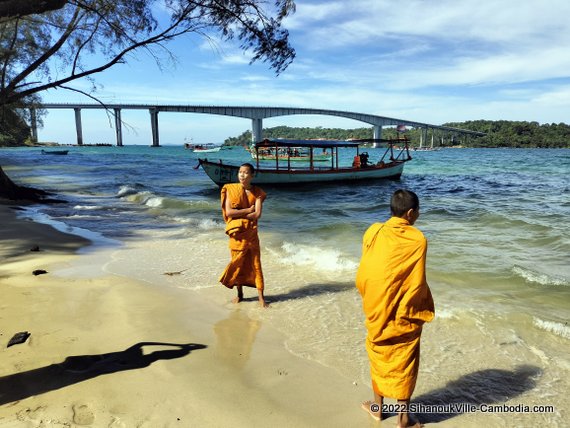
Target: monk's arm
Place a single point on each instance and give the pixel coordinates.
(237, 212)
(256, 214)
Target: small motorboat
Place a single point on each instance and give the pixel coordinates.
(55, 152)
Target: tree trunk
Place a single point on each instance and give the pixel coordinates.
(10, 190)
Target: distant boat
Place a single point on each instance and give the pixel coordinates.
(425, 149)
(203, 148)
(390, 165)
(54, 152)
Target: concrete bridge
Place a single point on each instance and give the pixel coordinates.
(255, 114)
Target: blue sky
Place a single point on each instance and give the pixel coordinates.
(428, 61)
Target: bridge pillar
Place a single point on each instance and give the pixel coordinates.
(34, 125)
(118, 127)
(78, 128)
(256, 130)
(423, 136)
(154, 127)
(377, 135)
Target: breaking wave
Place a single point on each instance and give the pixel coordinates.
(323, 259)
(535, 277)
(557, 328)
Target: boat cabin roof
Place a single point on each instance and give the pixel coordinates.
(281, 142)
(284, 142)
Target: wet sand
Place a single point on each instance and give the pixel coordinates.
(108, 351)
(140, 349)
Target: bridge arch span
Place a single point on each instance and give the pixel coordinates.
(256, 114)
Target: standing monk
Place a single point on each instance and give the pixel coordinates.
(241, 208)
(396, 300)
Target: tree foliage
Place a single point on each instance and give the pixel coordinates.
(500, 133)
(9, 8)
(47, 44)
(504, 133)
(50, 50)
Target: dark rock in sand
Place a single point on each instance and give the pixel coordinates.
(18, 338)
(39, 272)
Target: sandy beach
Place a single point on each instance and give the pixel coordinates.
(106, 351)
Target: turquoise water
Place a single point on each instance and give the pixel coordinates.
(498, 257)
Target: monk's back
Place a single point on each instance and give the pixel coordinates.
(391, 279)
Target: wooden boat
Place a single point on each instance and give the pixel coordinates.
(390, 165)
(54, 152)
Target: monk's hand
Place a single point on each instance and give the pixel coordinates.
(252, 209)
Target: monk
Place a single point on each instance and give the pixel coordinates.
(241, 209)
(397, 301)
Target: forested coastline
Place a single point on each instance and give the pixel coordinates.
(501, 133)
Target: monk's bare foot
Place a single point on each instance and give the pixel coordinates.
(262, 301)
(372, 408)
(237, 299)
(407, 422)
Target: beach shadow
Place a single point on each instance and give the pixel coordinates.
(491, 386)
(308, 290)
(80, 368)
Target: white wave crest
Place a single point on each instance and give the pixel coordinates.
(144, 198)
(87, 207)
(126, 190)
(539, 278)
(562, 330)
(322, 259)
(154, 202)
(446, 314)
(209, 224)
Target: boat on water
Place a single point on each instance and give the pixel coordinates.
(206, 148)
(202, 148)
(282, 172)
(55, 152)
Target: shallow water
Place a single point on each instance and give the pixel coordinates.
(498, 265)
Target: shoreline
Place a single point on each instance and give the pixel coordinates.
(120, 347)
(236, 371)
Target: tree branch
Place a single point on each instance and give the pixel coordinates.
(46, 55)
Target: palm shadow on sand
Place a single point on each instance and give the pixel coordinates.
(80, 368)
(491, 386)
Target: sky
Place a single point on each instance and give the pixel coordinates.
(431, 61)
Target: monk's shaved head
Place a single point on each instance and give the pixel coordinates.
(403, 201)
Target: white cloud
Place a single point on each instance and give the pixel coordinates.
(429, 61)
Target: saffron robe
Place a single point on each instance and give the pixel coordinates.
(396, 300)
(244, 267)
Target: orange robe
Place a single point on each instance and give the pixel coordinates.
(245, 264)
(397, 301)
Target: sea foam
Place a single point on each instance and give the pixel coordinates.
(87, 207)
(535, 277)
(322, 259)
(557, 328)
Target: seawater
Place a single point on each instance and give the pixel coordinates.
(498, 258)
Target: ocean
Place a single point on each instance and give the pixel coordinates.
(498, 259)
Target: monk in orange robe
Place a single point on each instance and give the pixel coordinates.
(241, 208)
(397, 301)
